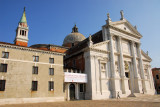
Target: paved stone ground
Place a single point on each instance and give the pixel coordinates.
(143, 101)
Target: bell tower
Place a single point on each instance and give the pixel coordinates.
(22, 32)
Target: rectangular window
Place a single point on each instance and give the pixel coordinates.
(72, 44)
(51, 85)
(51, 71)
(51, 60)
(25, 33)
(22, 32)
(5, 54)
(3, 67)
(36, 58)
(2, 85)
(157, 76)
(81, 86)
(35, 70)
(34, 85)
(74, 63)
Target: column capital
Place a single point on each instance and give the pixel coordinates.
(114, 37)
(119, 37)
(138, 44)
(132, 42)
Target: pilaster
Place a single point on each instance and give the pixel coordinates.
(88, 67)
(77, 91)
(141, 69)
(112, 60)
(68, 92)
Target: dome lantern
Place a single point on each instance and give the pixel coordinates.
(74, 29)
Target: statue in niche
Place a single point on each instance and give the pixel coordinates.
(116, 66)
(145, 68)
(102, 67)
(126, 65)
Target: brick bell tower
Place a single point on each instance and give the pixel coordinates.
(22, 32)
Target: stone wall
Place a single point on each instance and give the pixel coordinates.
(19, 75)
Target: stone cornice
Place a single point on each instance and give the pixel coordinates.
(98, 50)
(117, 53)
(29, 49)
(146, 60)
(137, 58)
(146, 56)
(128, 56)
(101, 43)
(122, 31)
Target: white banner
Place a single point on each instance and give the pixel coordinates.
(75, 77)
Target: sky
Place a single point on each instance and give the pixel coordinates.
(50, 21)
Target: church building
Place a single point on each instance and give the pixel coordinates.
(101, 66)
(112, 60)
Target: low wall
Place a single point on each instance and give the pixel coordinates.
(30, 100)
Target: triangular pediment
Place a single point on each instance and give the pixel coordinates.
(124, 25)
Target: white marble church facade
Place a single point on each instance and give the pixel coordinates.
(117, 64)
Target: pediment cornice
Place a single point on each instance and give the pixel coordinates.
(128, 24)
(125, 32)
(146, 56)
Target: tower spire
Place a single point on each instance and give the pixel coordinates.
(23, 18)
(22, 31)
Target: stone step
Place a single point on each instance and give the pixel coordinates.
(137, 95)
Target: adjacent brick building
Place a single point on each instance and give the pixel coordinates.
(156, 77)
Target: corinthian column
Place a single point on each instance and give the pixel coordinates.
(134, 60)
(122, 65)
(112, 57)
(121, 58)
(114, 82)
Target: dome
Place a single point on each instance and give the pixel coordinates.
(73, 37)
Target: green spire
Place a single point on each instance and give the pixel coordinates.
(23, 19)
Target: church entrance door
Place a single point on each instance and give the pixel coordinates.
(72, 91)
